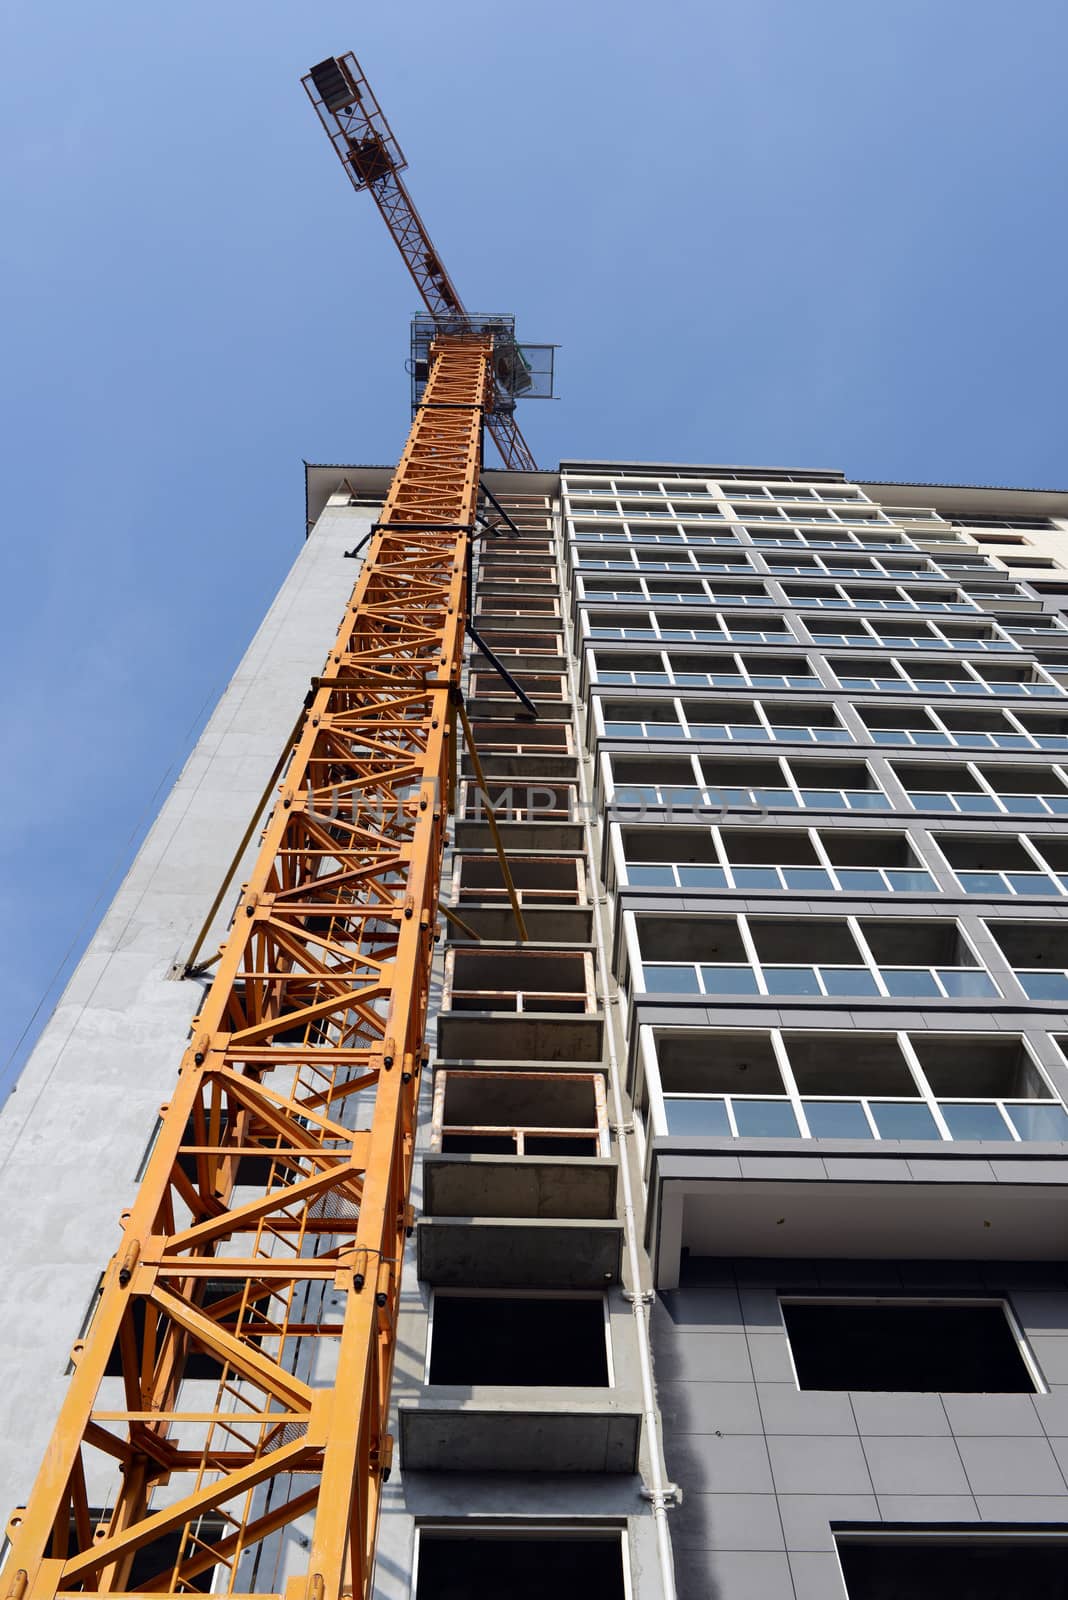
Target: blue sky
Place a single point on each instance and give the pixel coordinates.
(794, 231)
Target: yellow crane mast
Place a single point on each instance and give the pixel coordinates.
(236, 1373)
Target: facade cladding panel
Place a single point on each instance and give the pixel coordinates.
(779, 1071)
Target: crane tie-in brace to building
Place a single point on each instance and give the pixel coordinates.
(235, 1375)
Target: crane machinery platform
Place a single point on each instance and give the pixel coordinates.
(234, 1377)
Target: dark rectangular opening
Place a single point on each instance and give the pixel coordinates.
(500, 1339)
(520, 1565)
(1032, 944)
(691, 939)
(984, 1568)
(964, 1348)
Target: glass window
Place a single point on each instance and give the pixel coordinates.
(728, 980)
(981, 882)
(756, 878)
(707, 1118)
(1031, 883)
(908, 881)
(1040, 1122)
(702, 877)
(976, 1121)
(681, 979)
(792, 980)
(899, 1120)
(1044, 985)
(915, 982)
(968, 983)
(646, 877)
(807, 878)
(765, 1119)
(862, 879)
(849, 980)
(837, 1119)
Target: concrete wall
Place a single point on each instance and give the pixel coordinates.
(74, 1132)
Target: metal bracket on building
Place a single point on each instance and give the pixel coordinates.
(454, 916)
(670, 1494)
(498, 666)
(496, 504)
(638, 1297)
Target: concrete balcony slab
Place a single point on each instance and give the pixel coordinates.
(507, 1186)
(501, 1430)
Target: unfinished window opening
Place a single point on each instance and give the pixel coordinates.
(979, 1066)
(861, 1064)
(764, 847)
(538, 1342)
(962, 1347)
(1038, 954)
(538, 879)
(519, 1114)
(522, 1564)
(1041, 944)
(691, 939)
(719, 1063)
(1021, 1566)
(518, 980)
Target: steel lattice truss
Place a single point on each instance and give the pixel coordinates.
(236, 1373)
(373, 160)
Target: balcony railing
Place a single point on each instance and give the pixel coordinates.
(864, 1117)
(782, 879)
(1018, 883)
(832, 981)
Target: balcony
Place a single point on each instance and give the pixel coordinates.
(520, 1383)
(769, 861)
(781, 1142)
(764, 958)
(528, 1003)
(520, 1182)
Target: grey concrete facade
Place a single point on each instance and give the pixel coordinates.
(74, 1133)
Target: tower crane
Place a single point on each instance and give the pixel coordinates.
(374, 161)
(225, 1425)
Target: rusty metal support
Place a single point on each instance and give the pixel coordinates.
(263, 1250)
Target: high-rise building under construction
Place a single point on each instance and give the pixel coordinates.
(741, 1159)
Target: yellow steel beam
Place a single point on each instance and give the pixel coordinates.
(283, 1163)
